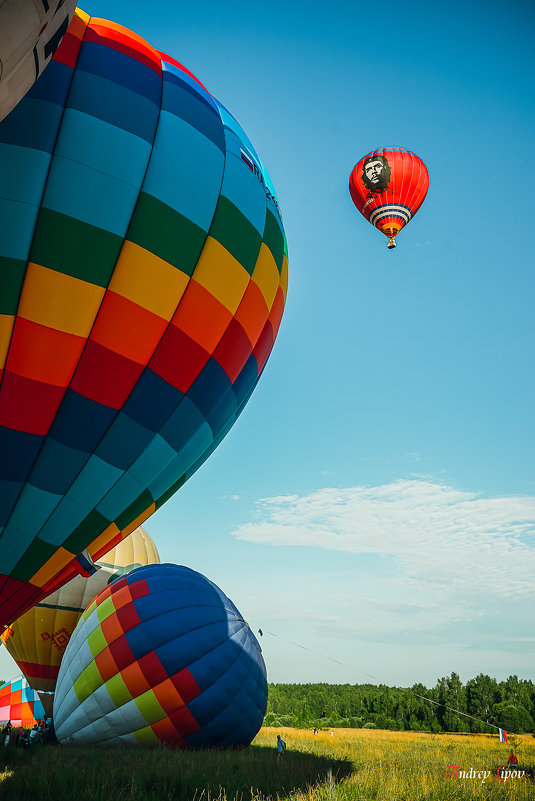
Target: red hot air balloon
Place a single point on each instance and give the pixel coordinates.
(388, 186)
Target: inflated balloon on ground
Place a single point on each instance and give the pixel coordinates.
(30, 32)
(161, 655)
(37, 640)
(388, 186)
(143, 274)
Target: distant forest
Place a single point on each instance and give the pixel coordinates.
(508, 704)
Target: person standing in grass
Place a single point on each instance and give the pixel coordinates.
(281, 746)
(7, 732)
(513, 759)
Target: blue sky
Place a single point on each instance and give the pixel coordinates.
(376, 500)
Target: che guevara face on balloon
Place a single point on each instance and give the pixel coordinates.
(376, 174)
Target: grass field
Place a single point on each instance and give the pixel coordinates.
(352, 764)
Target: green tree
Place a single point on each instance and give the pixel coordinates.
(517, 692)
(481, 695)
(414, 723)
(512, 718)
(509, 704)
(452, 697)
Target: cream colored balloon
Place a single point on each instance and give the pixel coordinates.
(133, 550)
(30, 32)
(37, 640)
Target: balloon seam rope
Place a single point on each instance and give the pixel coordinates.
(106, 289)
(194, 467)
(97, 314)
(112, 421)
(110, 489)
(45, 184)
(38, 213)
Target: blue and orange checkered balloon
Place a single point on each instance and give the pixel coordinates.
(143, 274)
(161, 655)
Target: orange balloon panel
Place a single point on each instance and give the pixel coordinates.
(388, 186)
(37, 640)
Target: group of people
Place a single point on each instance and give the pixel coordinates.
(41, 732)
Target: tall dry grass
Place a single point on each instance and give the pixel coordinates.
(410, 766)
(356, 764)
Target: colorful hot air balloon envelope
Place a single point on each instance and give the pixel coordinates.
(388, 186)
(20, 704)
(37, 640)
(143, 273)
(30, 32)
(161, 655)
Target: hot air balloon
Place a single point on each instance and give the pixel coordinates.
(388, 186)
(20, 704)
(30, 32)
(161, 655)
(143, 273)
(37, 640)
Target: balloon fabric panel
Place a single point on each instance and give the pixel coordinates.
(37, 640)
(161, 655)
(145, 267)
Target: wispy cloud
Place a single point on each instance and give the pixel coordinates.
(446, 544)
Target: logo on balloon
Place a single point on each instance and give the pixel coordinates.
(376, 174)
(257, 172)
(59, 639)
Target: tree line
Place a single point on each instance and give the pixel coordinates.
(508, 704)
